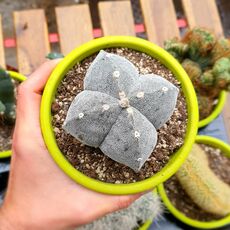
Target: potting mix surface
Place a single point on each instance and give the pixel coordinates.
(5, 137)
(180, 199)
(91, 161)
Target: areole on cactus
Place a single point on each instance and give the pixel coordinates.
(120, 110)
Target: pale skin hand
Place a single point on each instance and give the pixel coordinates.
(40, 195)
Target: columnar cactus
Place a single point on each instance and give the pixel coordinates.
(202, 184)
(120, 110)
(205, 58)
(147, 207)
(7, 98)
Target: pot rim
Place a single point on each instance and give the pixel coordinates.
(214, 142)
(18, 77)
(216, 111)
(86, 50)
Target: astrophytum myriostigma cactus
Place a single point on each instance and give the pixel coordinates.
(120, 110)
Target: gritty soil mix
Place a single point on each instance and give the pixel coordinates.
(6, 130)
(180, 199)
(5, 137)
(91, 161)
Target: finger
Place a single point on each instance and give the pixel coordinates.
(107, 205)
(122, 202)
(37, 80)
(29, 96)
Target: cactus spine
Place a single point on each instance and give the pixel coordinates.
(202, 185)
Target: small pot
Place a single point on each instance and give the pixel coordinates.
(18, 77)
(87, 50)
(216, 111)
(146, 225)
(225, 148)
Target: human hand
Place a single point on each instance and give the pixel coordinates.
(39, 194)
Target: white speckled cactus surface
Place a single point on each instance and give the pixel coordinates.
(120, 110)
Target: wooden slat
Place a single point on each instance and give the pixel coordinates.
(32, 39)
(160, 20)
(74, 26)
(203, 13)
(116, 18)
(2, 54)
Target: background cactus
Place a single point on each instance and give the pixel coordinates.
(202, 185)
(119, 110)
(54, 55)
(7, 98)
(206, 59)
(147, 207)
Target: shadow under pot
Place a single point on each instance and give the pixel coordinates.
(119, 115)
(199, 193)
(7, 109)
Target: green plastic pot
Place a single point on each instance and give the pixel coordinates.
(18, 77)
(86, 50)
(146, 225)
(225, 148)
(216, 111)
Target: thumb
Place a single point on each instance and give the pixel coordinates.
(29, 95)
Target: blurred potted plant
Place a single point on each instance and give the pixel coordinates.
(206, 59)
(199, 193)
(7, 109)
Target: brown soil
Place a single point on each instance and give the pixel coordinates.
(206, 106)
(92, 162)
(180, 199)
(5, 137)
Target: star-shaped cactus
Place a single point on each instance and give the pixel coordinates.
(120, 110)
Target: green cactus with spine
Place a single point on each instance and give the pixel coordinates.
(205, 58)
(202, 185)
(7, 98)
(176, 48)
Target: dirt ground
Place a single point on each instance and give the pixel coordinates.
(8, 6)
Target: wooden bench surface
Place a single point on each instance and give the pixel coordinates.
(203, 13)
(32, 39)
(74, 25)
(160, 20)
(116, 18)
(2, 53)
